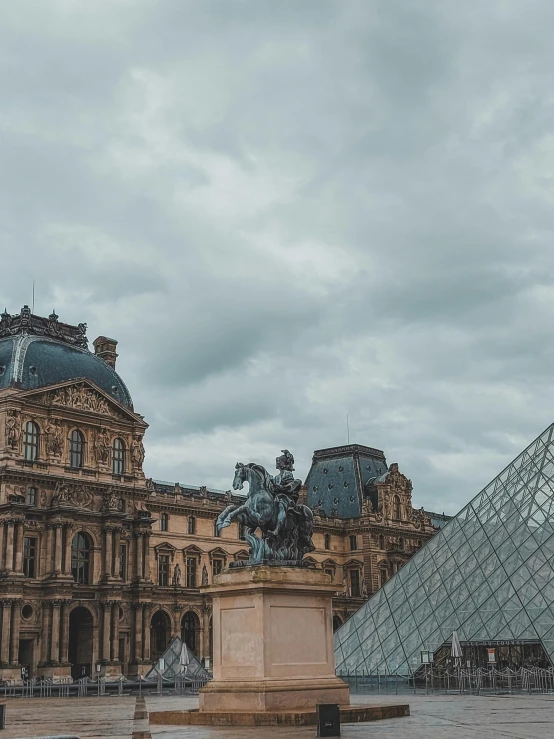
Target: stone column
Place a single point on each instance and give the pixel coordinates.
(15, 623)
(116, 544)
(146, 555)
(107, 551)
(58, 549)
(2, 543)
(64, 632)
(49, 553)
(138, 555)
(6, 624)
(9, 546)
(67, 554)
(205, 632)
(146, 629)
(55, 632)
(45, 630)
(114, 647)
(18, 558)
(138, 631)
(107, 606)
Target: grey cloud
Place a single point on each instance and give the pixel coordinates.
(287, 212)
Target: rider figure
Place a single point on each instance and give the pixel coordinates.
(285, 488)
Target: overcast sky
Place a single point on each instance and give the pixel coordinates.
(291, 210)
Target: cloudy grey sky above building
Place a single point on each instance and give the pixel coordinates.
(290, 211)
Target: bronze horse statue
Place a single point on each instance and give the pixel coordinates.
(286, 526)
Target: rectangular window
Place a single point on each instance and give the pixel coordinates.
(191, 572)
(353, 542)
(123, 562)
(383, 576)
(217, 566)
(331, 574)
(32, 496)
(29, 556)
(355, 590)
(242, 532)
(164, 522)
(192, 525)
(163, 570)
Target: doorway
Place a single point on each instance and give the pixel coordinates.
(26, 658)
(80, 642)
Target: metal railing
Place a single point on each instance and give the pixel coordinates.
(85, 686)
(474, 681)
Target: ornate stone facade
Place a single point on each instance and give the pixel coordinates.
(100, 566)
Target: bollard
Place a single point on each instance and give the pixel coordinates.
(328, 719)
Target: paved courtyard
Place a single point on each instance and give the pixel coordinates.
(433, 717)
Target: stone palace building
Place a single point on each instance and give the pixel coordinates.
(99, 566)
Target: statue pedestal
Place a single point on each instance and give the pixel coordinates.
(273, 641)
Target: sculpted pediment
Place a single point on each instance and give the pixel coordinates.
(75, 495)
(81, 395)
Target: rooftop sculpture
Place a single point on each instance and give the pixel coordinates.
(271, 507)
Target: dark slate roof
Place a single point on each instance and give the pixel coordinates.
(162, 487)
(338, 477)
(29, 360)
(438, 519)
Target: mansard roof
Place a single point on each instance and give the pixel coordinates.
(36, 352)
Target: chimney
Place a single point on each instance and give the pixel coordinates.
(105, 349)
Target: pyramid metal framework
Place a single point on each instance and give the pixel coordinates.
(172, 664)
(488, 574)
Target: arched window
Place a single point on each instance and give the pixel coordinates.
(190, 628)
(80, 558)
(31, 441)
(160, 630)
(118, 459)
(396, 510)
(76, 449)
(327, 541)
(336, 622)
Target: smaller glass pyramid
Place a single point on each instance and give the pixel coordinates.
(487, 574)
(171, 661)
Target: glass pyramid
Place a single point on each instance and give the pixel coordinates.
(171, 661)
(488, 574)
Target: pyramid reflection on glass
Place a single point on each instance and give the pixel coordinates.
(488, 574)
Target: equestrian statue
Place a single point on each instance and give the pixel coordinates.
(271, 507)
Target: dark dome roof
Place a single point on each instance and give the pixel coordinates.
(29, 361)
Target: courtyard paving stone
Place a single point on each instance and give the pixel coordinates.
(433, 717)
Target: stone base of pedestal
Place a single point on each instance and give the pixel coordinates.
(10, 673)
(138, 669)
(111, 670)
(273, 695)
(54, 672)
(273, 641)
(348, 715)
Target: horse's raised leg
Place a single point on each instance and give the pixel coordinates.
(223, 520)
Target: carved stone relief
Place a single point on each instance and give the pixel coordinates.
(80, 397)
(73, 494)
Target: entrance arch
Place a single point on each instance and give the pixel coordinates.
(160, 629)
(190, 631)
(80, 642)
